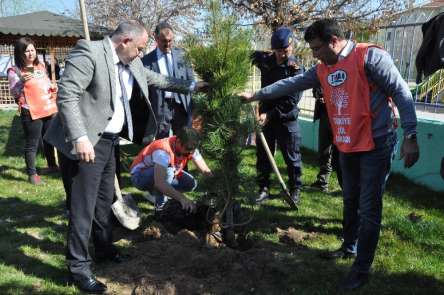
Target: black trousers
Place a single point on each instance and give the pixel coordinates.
(34, 131)
(66, 171)
(327, 151)
(289, 142)
(92, 192)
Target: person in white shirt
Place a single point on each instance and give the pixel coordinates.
(173, 110)
(103, 94)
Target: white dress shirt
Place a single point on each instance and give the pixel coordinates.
(118, 118)
(161, 62)
(346, 50)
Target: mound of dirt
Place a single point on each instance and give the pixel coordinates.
(166, 264)
(154, 232)
(292, 236)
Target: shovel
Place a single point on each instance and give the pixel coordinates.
(125, 209)
(286, 193)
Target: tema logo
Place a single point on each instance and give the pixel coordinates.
(337, 78)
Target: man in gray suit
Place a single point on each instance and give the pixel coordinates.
(103, 94)
(172, 110)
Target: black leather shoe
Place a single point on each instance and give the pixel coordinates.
(317, 185)
(89, 285)
(117, 258)
(341, 253)
(354, 280)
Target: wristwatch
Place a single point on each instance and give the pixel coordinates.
(411, 136)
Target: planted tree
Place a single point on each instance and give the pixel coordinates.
(221, 56)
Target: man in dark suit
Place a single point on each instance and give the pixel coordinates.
(173, 110)
(103, 91)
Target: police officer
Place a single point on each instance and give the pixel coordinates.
(279, 117)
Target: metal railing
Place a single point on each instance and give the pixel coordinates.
(430, 93)
(6, 100)
(402, 41)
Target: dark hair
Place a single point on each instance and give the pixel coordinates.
(19, 52)
(189, 138)
(129, 28)
(324, 30)
(161, 26)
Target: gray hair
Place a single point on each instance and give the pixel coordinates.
(130, 28)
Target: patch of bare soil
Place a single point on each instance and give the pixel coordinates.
(292, 236)
(166, 264)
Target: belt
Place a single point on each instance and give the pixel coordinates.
(110, 136)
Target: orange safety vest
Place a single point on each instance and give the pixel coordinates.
(37, 93)
(168, 145)
(347, 96)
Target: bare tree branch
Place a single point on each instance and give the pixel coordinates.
(182, 15)
(297, 13)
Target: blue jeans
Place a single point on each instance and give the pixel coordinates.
(364, 178)
(143, 179)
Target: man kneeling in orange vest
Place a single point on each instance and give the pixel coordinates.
(158, 168)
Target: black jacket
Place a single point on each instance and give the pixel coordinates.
(430, 57)
(283, 110)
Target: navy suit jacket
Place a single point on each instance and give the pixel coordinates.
(182, 70)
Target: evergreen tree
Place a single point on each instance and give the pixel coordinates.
(222, 58)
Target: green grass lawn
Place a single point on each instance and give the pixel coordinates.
(409, 260)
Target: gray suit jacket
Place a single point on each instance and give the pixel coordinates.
(87, 92)
(182, 70)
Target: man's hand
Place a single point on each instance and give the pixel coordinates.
(85, 150)
(188, 205)
(246, 96)
(207, 173)
(262, 119)
(293, 64)
(53, 88)
(410, 152)
(202, 86)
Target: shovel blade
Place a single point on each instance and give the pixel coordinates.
(287, 198)
(127, 212)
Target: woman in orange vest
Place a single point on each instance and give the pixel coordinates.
(33, 92)
(158, 168)
(359, 82)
